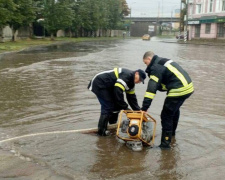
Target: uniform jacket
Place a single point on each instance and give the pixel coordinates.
(116, 81)
(166, 75)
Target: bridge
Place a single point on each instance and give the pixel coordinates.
(148, 25)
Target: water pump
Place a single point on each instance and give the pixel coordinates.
(137, 129)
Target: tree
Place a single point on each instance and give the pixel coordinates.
(125, 10)
(22, 15)
(91, 15)
(114, 13)
(6, 13)
(77, 18)
(103, 22)
(57, 15)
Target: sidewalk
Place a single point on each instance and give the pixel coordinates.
(203, 42)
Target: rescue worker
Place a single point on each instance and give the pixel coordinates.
(109, 87)
(166, 75)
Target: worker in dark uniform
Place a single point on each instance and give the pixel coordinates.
(167, 75)
(109, 87)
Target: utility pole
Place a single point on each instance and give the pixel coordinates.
(130, 23)
(171, 22)
(180, 19)
(157, 23)
(187, 15)
(186, 33)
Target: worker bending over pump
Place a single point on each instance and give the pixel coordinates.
(166, 75)
(109, 86)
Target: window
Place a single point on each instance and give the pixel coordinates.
(197, 30)
(218, 6)
(198, 8)
(207, 28)
(190, 11)
(211, 6)
(221, 30)
(223, 5)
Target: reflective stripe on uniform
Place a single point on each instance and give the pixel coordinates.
(120, 86)
(182, 88)
(116, 72)
(123, 83)
(156, 79)
(181, 91)
(168, 62)
(90, 88)
(176, 72)
(149, 95)
(132, 91)
(163, 86)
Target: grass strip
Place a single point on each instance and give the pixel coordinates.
(27, 43)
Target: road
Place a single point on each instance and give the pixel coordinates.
(44, 89)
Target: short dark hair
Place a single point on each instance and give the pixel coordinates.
(148, 54)
(142, 75)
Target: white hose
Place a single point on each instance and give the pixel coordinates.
(55, 132)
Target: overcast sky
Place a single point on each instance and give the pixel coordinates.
(153, 8)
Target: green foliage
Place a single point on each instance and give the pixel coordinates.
(75, 15)
(57, 15)
(6, 11)
(114, 14)
(23, 14)
(125, 9)
(16, 13)
(90, 15)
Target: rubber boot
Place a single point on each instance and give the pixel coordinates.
(113, 118)
(166, 140)
(102, 124)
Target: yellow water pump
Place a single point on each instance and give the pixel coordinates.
(137, 129)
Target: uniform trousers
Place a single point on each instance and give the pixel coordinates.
(171, 112)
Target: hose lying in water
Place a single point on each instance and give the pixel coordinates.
(90, 130)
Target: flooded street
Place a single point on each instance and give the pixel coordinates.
(44, 89)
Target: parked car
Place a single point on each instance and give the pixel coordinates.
(181, 36)
(146, 37)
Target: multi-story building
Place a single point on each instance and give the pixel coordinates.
(177, 14)
(206, 19)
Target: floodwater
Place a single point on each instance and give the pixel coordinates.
(44, 89)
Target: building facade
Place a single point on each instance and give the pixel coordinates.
(177, 14)
(206, 19)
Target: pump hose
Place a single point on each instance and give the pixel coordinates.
(90, 130)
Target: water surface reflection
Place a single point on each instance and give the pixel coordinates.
(45, 89)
